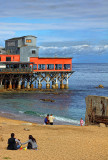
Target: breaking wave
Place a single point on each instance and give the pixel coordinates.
(60, 119)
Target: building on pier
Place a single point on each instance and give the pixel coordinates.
(20, 66)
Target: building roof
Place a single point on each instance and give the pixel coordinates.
(16, 38)
(1, 47)
(55, 57)
(2, 51)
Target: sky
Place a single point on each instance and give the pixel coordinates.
(64, 28)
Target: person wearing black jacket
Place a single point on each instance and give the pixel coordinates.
(13, 143)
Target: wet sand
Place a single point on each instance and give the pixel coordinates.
(55, 142)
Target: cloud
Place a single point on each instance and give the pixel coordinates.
(78, 9)
(66, 51)
(52, 26)
(90, 17)
(5, 35)
(7, 32)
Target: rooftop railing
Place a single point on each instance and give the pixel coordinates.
(16, 70)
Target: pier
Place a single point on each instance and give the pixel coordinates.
(21, 67)
(27, 78)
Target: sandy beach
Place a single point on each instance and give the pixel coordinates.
(55, 142)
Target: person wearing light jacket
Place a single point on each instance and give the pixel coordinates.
(51, 118)
(31, 143)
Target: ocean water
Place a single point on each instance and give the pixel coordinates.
(69, 105)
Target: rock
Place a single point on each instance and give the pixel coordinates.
(57, 93)
(28, 124)
(1, 138)
(47, 100)
(4, 123)
(100, 86)
(26, 129)
(102, 125)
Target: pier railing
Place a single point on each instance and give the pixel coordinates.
(16, 70)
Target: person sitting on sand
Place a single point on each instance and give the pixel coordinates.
(51, 118)
(31, 143)
(81, 122)
(13, 143)
(46, 120)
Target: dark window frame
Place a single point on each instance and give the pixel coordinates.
(50, 66)
(16, 65)
(58, 66)
(7, 66)
(8, 59)
(33, 51)
(41, 66)
(67, 66)
(34, 66)
(24, 66)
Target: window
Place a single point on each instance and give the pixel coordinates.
(8, 58)
(24, 65)
(41, 66)
(11, 66)
(50, 66)
(58, 66)
(12, 51)
(33, 51)
(7, 66)
(28, 40)
(0, 58)
(15, 66)
(30, 65)
(66, 66)
(34, 66)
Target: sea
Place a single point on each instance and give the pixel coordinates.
(69, 105)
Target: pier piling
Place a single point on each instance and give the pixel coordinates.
(19, 85)
(18, 81)
(28, 86)
(48, 82)
(10, 85)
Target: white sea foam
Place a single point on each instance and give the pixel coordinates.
(2, 112)
(62, 119)
(21, 112)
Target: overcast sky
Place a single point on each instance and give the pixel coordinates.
(77, 28)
